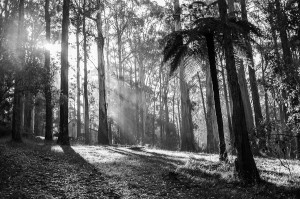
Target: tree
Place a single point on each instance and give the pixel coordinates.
(63, 138)
(49, 123)
(17, 103)
(85, 84)
(103, 127)
(244, 163)
(187, 137)
(252, 77)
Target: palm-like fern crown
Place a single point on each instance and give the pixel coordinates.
(181, 44)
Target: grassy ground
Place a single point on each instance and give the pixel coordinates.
(38, 170)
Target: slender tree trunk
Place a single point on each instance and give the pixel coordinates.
(63, 138)
(167, 118)
(49, 125)
(153, 130)
(179, 122)
(202, 98)
(137, 110)
(252, 77)
(78, 81)
(17, 103)
(142, 100)
(27, 113)
(265, 92)
(160, 106)
(245, 97)
(244, 163)
(103, 128)
(212, 125)
(231, 135)
(214, 78)
(211, 117)
(85, 88)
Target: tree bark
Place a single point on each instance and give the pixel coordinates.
(78, 80)
(63, 137)
(212, 125)
(17, 103)
(202, 98)
(214, 78)
(48, 96)
(167, 118)
(244, 163)
(103, 127)
(187, 134)
(231, 135)
(245, 97)
(252, 77)
(85, 88)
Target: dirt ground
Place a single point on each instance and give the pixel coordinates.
(38, 170)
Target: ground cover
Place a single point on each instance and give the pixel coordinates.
(37, 170)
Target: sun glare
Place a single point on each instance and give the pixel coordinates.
(53, 48)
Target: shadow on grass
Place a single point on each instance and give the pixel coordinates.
(199, 179)
(209, 175)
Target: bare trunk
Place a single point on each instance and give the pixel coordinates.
(63, 138)
(212, 126)
(187, 134)
(103, 127)
(231, 135)
(85, 88)
(202, 98)
(49, 125)
(167, 119)
(153, 130)
(17, 103)
(78, 81)
(214, 78)
(245, 98)
(252, 77)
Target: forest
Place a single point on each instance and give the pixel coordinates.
(149, 99)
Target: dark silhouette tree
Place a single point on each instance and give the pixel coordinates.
(244, 164)
(103, 127)
(17, 103)
(63, 137)
(48, 95)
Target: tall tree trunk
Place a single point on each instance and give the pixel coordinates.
(85, 88)
(214, 78)
(17, 103)
(78, 80)
(160, 105)
(231, 135)
(244, 163)
(202, 98)
(245, 97)
(212, 125)
(187, 134)
(137, 102)
(167, 118)
(179, 121)
(142, 100)
(103, 128)
(49, 125)
(252, 77)
(63, 137)
(28, 113)
(153, 130)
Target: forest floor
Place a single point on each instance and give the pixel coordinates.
(33, 169)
